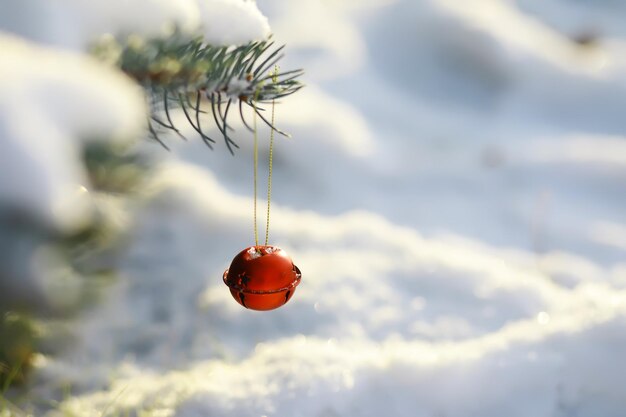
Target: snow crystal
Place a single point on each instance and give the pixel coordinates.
(254, 253)
(238, 87)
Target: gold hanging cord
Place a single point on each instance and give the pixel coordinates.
(270, 168)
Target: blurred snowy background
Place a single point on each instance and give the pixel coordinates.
(454, 195)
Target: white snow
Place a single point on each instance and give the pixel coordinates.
(254, 253)
(77, 24)
(454, 197)
(51, 102)
(232, 22)
(387, 321)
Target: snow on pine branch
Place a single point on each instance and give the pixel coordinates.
(51, 103)
(232, 22)
(76, 24)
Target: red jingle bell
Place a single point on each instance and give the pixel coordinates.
(262, 277)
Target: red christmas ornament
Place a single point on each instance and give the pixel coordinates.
(262, 277)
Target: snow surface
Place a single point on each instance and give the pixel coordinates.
(77, 24)
(455, 198)
(232, 22)
(51, 103)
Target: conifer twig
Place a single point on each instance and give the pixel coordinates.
(172, 69)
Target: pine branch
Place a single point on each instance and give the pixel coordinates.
(176, 71)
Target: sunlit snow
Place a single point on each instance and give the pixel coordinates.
(51, 102)
(454, 195)
(77, 24)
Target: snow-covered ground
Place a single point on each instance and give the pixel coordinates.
(455, 197)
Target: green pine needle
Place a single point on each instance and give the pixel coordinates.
(188, 73)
